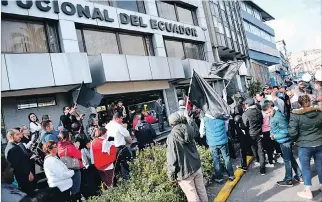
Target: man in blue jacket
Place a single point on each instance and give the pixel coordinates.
(215, 130)
(279, 133)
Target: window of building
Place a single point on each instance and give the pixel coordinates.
(36, 102)
(247, 26)
(227, 32)
(95, 42)
(133, 5)
(179, 49)
(243, 5)
(175, 12)
(249, 9)
(28, 37)
(214, 9)
(257, 15)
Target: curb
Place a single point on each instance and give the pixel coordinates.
(224, 193)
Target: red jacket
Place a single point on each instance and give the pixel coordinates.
(148, 118)
(102, 160)
(72, 151)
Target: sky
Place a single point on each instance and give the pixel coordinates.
(298, 22)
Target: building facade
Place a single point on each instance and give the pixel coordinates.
(228, 37)
(262, 49)
(305, 61)
(135, 51)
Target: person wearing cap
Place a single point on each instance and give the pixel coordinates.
(252, 123)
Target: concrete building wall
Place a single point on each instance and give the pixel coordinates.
(14, 117)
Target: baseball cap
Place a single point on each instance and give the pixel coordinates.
(249, 101)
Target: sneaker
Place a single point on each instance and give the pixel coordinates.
(262, 171)
(231, 178)
(256, 164)
(280, 160)
(299, 179)
(305, 194)
(219, 180)
(242, 168)
(285, 183)
(269, 165)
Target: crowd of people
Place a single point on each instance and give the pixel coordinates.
(267, 127)
(77, 159)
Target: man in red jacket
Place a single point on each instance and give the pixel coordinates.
(147, 117)
(103, 155)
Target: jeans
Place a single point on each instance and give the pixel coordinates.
(257, 149)
(225, 154)
(77, 177)
(243, 149)
(305, 155)
(194, 187)
(121, 165)
(289, 162)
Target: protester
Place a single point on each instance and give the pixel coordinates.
(121, 109)
(287, 103)
(238, 109)
(49, 132)
(244, 142)
(57, 173)
(79, 136)
(103, 155)
(158, 107)
(34, 125)
(90, 177)
(317, 91)
(252, 123)
(305, 129)
(280, 134)
(267, 141)
(183, 159)
(66, 148)
(20, 162)
(216, 135)
(122, 140)
(147, 117)
(27, 140)
(144, 133)
(278, 102)
(67, 119)
(92, 125)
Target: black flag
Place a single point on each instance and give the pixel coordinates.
(87, 97)
(205, 97)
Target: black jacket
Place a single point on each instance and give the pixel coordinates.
(144, 133)
(252, 121)
(305, 127)
(67, 121)
(20, 162)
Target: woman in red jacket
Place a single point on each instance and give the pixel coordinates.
(66, 148)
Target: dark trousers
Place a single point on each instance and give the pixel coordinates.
(107, 177)
(257, 149)
(90, 184)
(121, 166)
(24, 184)
(244, 146)
(268, 146)
(160, 122)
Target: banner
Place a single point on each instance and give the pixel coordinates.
(205, 97)
(226, 70)
(87, 97)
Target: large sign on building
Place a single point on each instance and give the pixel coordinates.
(81, 11)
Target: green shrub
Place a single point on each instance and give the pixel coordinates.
(254, 87)
(149, 180)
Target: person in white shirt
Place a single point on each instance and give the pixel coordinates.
(57, 173)
(122, 140)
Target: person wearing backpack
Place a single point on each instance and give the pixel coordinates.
(144, 132)
(103, 155)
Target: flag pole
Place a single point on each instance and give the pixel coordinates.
(189, 89)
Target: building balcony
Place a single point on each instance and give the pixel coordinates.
(44, 70)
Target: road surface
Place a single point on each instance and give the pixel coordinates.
(254, 187)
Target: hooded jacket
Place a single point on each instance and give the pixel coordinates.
(305, 126)
(214, 129)
(252, 120)
(279, 126)
(182, 155)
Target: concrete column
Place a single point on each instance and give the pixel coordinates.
(172, 99)
(158, 44)
(151, 8)
(68, 36)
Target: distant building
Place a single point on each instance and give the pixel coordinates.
(262, 49)
(306, 61)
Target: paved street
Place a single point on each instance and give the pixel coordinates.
(254, 187)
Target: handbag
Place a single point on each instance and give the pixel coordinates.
(71, 163)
